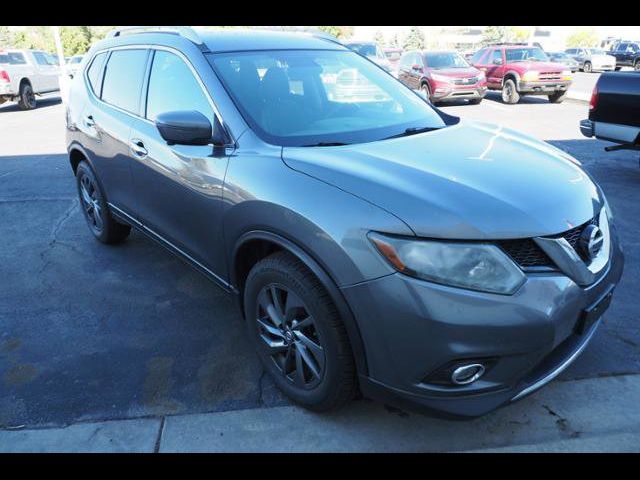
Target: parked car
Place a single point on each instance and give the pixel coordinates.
(518, 70)
(372, 51)
(72, 65)
(592, 59)
(386, 246)
(626, 54)
(613, 110)
(393, 56)
(564, 59)
(24, 74)
(442, 76)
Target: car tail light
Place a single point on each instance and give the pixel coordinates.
(4, 76)
(593, 103)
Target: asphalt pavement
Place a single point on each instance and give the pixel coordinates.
(92, 336)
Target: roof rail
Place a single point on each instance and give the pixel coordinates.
(186, 32)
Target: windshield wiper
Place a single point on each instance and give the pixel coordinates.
(326, 144)
(413, 131)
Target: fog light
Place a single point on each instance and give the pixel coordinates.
(466, 374)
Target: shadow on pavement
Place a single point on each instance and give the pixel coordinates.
(42, 102)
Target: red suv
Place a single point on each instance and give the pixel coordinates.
(442, 76)
(522, 70)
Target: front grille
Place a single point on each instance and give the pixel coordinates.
(526, 253)
(465, 81)
(550, 75)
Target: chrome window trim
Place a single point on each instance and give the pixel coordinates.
(214, 107)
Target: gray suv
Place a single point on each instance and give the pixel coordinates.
(375, 244)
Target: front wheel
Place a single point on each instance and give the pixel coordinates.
(426, 91)
(475, 101)
(587, 67)
(95, 209)
(510, 93)
(617, 69)
(557, 97)
(298, 334)
(26, 97)
(636, 65)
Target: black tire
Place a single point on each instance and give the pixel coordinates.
(636, 65)
(26, 97)
(617, 69)
(475, 101)
(588, 68)
(510, 93)
(557, 97)
(95, 209)
(281, 283)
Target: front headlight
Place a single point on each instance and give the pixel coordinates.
(566, 74)
(475, 266)
(440, 78)
(481, 76)
(530, 75)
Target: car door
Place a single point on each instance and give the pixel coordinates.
(113, 104)
(495, 68)
(621, 54)
(179, 187)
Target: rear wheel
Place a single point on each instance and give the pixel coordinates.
(617, 69)
(298, 334)
(557, 97)
(510, 93)
(26, 97)
(475, 101)
(587, 67)
(95, 209)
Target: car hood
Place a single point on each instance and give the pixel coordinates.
(602, 58)
(540, 66)
(468, 181)
(455, 72)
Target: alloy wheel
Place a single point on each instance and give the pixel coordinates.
(29, 97)
(289, 336)
(90, 198)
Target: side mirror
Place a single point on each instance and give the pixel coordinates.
(497, 61)
(416, 67)
(187, 127)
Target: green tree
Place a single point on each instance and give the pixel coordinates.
(517, 34)
(395, 41)
(414, 40)
(494, 35)
(39, 38)
(338, 32)
(75, 40)
(587, 37)
(6, 37)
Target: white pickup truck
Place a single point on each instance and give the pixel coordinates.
(25, 74)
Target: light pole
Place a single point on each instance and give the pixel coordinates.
(63, 78)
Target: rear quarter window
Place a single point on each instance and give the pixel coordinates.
(123, 79)
(94, 73)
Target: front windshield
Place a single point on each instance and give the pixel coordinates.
(530, 54)
(559, 56)
(366, 49)
(439, 60)
(311, 97)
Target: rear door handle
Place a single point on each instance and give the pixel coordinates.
(89, 122)
(137, 148)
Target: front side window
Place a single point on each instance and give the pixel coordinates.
(440, 60)
(496, 57)
(41, 59)
(310, 97)
(123, 78)
(173, 87)
(530, 54)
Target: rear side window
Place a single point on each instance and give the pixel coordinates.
(172, 86)
(94, 74)
(123, 79)
(41, 58)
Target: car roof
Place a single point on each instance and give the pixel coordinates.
(233, 40)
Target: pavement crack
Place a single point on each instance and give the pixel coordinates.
(156, 448)
(260, 388)
(562, 423)
(55, 231)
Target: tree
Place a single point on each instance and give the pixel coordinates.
(379, 38)
(494, 35)
(583, 38)
(414, 40)
(75, 40)
(395, 41)
(517, 34)
(338, 32)
(6, 37)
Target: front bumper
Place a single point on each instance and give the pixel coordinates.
(543, 87)
(441, 94)
(412, 328)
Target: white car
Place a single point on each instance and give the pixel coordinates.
(592, 59)
(25, 74)
(73, 64)
(372, 51)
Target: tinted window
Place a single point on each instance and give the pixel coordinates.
(306, 97)
(622, 47)
(172, 87)
(123, 78)
(94, 74)
(478, 56)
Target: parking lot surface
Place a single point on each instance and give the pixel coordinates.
(90, 332)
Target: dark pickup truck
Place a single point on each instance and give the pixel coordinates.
(627, 54)
(614, 110)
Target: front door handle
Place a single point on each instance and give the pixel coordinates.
(137, 148)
